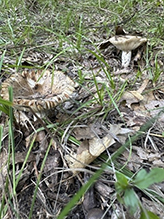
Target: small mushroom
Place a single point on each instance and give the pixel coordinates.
(127, 43)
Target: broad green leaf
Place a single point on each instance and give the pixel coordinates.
(121, 183)
(148, 215)
(131, 200)
(121, 178)
(143, 179)
(140, 177)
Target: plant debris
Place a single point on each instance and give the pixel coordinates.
(61, 135)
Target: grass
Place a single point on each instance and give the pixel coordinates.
(64, 34)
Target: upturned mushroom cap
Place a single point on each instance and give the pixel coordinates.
(127, 42)
(39, 90)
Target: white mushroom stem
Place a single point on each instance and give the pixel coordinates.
(126, 58)
(127, 43)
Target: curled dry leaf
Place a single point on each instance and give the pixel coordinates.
(97, 146)
(92, 148)
(134, 96)
(89, 150)
(103, 189)
(41, 90)
(131, 97)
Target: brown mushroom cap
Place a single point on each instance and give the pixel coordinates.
(127, 42)
(39, 90)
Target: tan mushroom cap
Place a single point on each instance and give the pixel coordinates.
(127, 42)
(39, 90)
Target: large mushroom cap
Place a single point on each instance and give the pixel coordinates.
(41, 90)
(127, 42)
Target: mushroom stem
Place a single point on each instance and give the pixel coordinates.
(126, 58)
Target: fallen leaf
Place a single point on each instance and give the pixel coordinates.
(92, 148)
(97, 146)
(134, 96)
(83, 133)
(4, 163)
(143, 155)
(131, 97)
(103, 189)
(154, 107)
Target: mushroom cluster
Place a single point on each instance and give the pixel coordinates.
(127, 43)
(38, 90)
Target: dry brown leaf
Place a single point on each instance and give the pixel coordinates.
(137, 95)
(135, 118)
(134, 96)
(92, 148)
(19, 158)
(118, 133)
(83, 133)
(88, 131)
(131, 97)
(151, 157)
(143, 155)
(154, 156)
(143, 86)
(158, 163)
(97, 146)
(133, 161)
(103, 189)
(51, 165)
(155, 106)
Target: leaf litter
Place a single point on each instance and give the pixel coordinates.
(85, 142)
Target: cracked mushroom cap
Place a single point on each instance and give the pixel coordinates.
(127, 42)
(40, 90)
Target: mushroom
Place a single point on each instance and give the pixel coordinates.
(40, 91)
(127, 43)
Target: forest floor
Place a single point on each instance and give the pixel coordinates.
(99, 153)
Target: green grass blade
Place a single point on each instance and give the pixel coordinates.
(11, 135)
(38, 181)
(81, 192)
(2, 58)
(20, 59)
(102, 61)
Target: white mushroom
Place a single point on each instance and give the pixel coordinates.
(127, 43)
